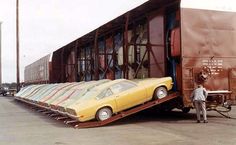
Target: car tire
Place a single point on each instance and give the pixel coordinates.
(186, 109)
(103, 114)
(160, 93)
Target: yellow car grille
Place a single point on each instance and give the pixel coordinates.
(53, 106)
(62, 109)
(71, 111)
(44, 104)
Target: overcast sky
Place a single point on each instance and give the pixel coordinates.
(46, 25)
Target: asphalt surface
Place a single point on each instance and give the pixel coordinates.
(20, 125)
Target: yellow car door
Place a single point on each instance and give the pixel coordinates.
(128, 94)
(106, 98)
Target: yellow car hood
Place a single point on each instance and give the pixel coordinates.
(152, 80)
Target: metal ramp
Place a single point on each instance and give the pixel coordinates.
(126, 113)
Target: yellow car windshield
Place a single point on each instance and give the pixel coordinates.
(90, 94)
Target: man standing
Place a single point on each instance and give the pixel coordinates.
(198, 97)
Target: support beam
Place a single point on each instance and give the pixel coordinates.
(96, 62)
(62, 78)
(76, 61)
(125, 52)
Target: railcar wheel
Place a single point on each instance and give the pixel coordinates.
(103, 114)
(160, 93)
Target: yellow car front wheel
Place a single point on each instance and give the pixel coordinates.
(103, 114)
(160, 93)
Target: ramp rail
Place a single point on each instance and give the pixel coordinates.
(127, 113)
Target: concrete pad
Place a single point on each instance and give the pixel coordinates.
(20, 125)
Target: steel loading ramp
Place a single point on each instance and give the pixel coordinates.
(125, 113)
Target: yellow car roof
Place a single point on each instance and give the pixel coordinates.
(107, 84)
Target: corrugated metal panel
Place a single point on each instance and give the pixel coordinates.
(156, 32)
(56, 67)
(38, 72)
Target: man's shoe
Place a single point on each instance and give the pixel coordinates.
(205, 121)
(198, 121)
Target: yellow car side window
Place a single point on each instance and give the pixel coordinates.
(105, 93)
(122, 86)
(108, 93)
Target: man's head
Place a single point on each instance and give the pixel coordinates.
(199, 86)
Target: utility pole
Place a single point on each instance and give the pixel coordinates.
(0, 54)
(17, 48)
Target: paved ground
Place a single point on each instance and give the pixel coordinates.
(20, 125)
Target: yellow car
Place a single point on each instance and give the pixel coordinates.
(103, 101)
